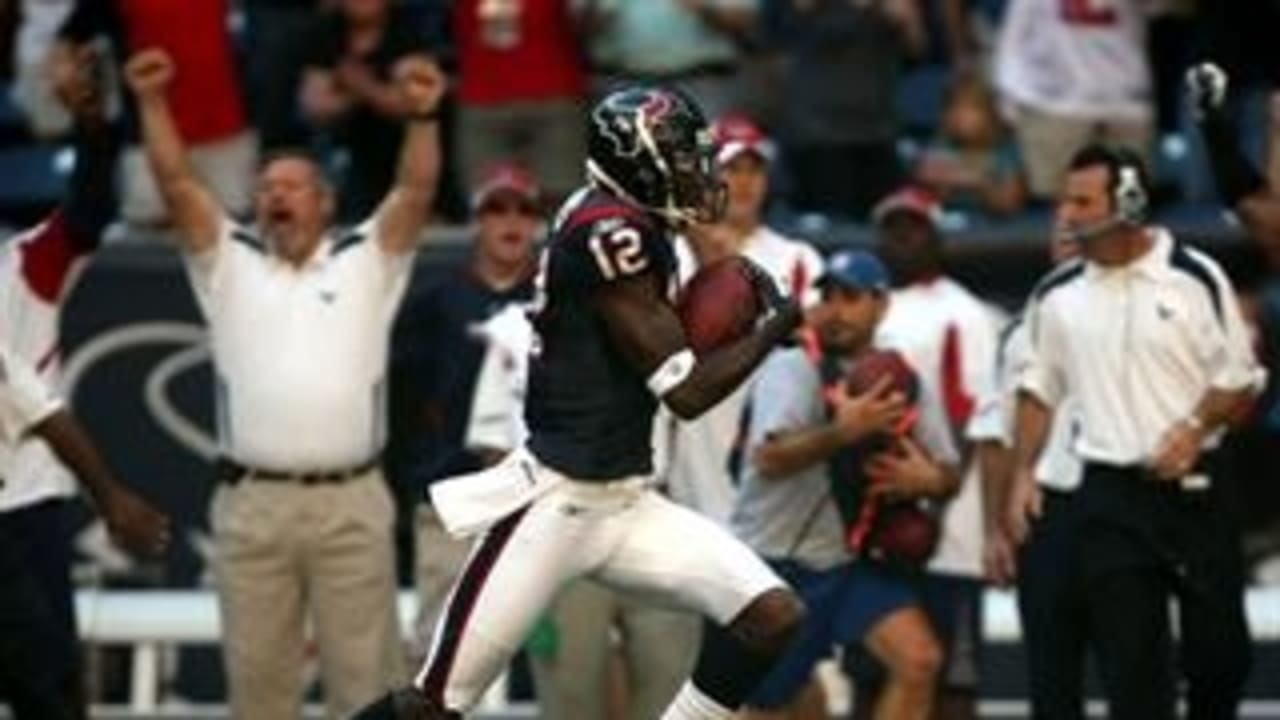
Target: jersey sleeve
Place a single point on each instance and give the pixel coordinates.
(611, 249)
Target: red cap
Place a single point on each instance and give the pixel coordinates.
(910, 199)
(736, 134)
(505, 178)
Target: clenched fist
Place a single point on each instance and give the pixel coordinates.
(149, 72)
(1206, 88)
(421, 83)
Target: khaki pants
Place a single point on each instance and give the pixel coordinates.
(287, 553)
(659, 648)
(1047, 143)
(440, 558)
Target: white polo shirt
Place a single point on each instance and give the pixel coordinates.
(696, 462)
(1137, 346)
(299, 353)
(38, 268)
(950, 337)
(994, 420)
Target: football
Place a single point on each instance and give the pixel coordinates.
(870, 366)
(904, 534)
(718, 305)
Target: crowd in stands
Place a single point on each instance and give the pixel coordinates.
(982, 102)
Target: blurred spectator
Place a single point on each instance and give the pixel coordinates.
(275, 61)
(973, 164)
(693, 44)
(701, 453)
(1240, 36)
(347, 89)
(521, 85)
(33, 89)
(839, 137)
(206, 95)
(949, 336)
(1071, 72)
(808, 488)
(41, 674)
(436, 365)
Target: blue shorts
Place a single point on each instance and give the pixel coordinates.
(844, 603)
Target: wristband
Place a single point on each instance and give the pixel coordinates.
(671, 372)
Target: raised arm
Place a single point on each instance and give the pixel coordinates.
(403, 213)
(193, 207)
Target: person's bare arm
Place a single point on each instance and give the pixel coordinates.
(132, 522)
(784, 454)
(648, 332)
(193, 207)
(403, 213)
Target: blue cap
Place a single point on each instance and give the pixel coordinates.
(856, 270)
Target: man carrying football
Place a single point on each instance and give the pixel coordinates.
(577, 501)
(846, 449)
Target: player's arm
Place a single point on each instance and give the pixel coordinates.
(403, 213)
(193, 207)
(648, 332)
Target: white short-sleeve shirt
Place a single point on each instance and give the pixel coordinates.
(38, 268)
(25, 400)
(994, 419)
(1137, 346)
(299, 352)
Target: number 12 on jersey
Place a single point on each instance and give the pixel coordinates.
(619, 253)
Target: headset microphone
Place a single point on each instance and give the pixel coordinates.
(1094, 230)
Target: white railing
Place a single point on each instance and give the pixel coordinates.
(151, 620)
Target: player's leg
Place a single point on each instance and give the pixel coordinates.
(514, 570)
(675, 556)
(439, 561)
(782, 692)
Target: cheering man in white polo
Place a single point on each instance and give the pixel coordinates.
(299, 321)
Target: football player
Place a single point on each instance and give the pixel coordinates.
(577, 500)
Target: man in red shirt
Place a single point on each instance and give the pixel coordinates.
(206, 93)
(521, 83)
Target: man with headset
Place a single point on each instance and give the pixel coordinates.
(1147, 337)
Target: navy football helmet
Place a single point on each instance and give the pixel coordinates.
(652, 146)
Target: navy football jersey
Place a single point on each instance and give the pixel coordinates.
(589, 411)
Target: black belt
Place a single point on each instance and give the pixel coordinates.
(231, 472)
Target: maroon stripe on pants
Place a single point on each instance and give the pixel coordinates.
(463, 602)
